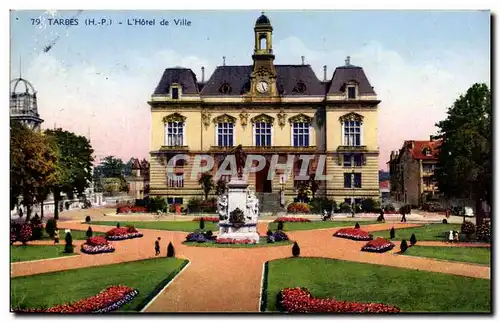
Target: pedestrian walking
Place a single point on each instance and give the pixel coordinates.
(56, 236)
(157, 246)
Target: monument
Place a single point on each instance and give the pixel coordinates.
(238, 207)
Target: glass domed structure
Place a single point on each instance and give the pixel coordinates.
(23, 103)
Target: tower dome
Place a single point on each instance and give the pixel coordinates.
(23, 103)
(263, 20)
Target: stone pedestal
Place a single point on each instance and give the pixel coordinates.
(237, 198)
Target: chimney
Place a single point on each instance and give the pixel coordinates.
(348, 61)
(202, 74)
(303, 59)
(392, 156)
(324, 73)
(223, 60)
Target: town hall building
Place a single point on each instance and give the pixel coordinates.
(268, 109)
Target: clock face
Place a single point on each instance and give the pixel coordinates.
(262, 87)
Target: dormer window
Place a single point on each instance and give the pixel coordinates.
(175, 91)
(300, 88)
(427, 152)
(351, 92)
(225, 89)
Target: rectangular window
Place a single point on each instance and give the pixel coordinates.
(352, 133)
(357, 180)
(351, 92)
(172, 201)
(347, 160)
(175, 93)
(347, 180)
(175, 181)
(300, 134)
(358, 160)
(175, 133)
(225, 134)
(263, 134)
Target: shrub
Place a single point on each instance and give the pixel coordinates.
(413, 239)
(209, 205)
(392, 233)
(194, 205)
(50, 227)
(202, 223)
(87, 219)
(36, 228)
(89, 232)
(280, 225)
(344, 208)
(209, 234)
(403, 246)
(25, 233)
(389, 207)
(357, 225)
(298, 207)
(483, 233)
(196, 237)
(320, 204)
(117, 225)
(280, 236)
(68, 248)
(295, 250)
(170, 250)
(270, 239)
(445, 221)
(269, 233)
(468, 228)
(370, 205)
(157, 204)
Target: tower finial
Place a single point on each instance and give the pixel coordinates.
(20, 67)
(262, 12)
(348, 61)
(223, 60)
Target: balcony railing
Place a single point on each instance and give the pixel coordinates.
(174, 148)
(350, 148)
(269, 149)
(174, 182)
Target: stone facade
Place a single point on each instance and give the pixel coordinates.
(339, 116)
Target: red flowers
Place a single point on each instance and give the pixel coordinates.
(97, 245)
(299, 300)
(123, 233)
(378, 245)
(353, 233)
(210, 219)
(291, 219)
(234, 241)
(108, 300)
(130, 209)
(298, 207)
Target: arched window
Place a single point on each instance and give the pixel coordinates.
(263, 42)
(174, 129)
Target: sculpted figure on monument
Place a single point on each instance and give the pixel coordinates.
(252, 204)
(222, 207)
(240, 157)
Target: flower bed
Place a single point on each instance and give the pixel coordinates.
(300, 300)
(130, 209)
(277, 236)
(291, 219)
(208, 219)
(379, 245)
(298, 207)
(123, 233)
(234, 241)
(353, 233)
(199, 237)
(108, 300)
(97, 245)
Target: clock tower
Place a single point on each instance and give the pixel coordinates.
(263, 77)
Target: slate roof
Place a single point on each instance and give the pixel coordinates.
(262, 20)
(183, 76)
(289, 77)
(344, 74)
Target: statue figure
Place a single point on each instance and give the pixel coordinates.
(282, 198)
(252, 204)
(240, 157)
(222, 207)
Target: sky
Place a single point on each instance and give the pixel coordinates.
(96, 80)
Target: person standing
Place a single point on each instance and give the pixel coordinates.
(157, 246)
(56, 236)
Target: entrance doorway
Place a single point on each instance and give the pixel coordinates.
(262, 184)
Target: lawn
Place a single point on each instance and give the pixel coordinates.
(46, 290)
(291, 226)
(410, 290)
(438, 232)
(478, 255)
(34, 252)
(262, 243)
(76, 234)
(188, 226)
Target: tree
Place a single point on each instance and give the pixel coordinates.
(170, 250)
(206, 183)
(220, 187)
(295, 250)
(112, 167)
(465, 154)
(68, 248)
(313, 185)
(32, 166)
(74, 165)
(127, 168)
